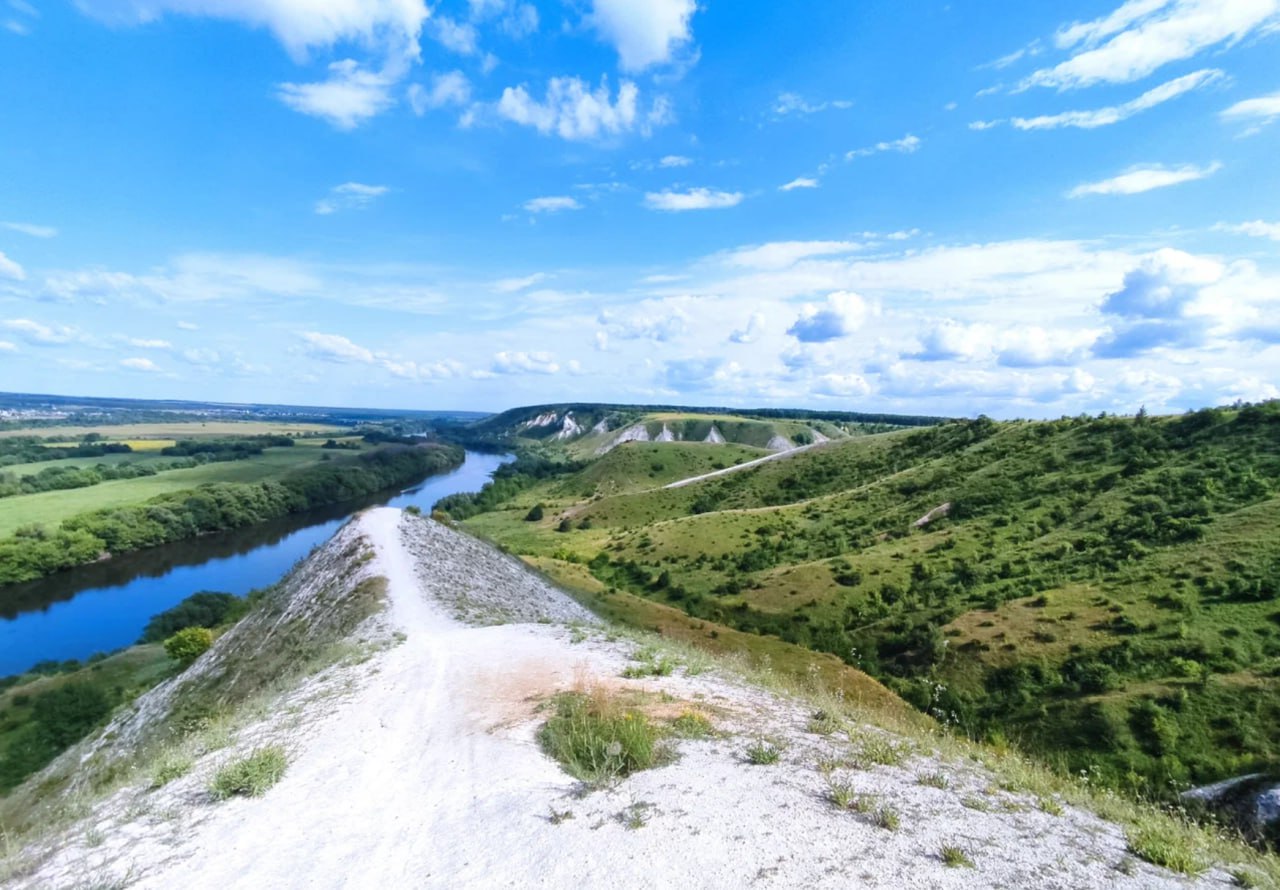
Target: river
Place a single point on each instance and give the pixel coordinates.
(102, 607)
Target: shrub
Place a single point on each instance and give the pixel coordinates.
(250, 776)
(204, 609)
(188, 644)
(598, 741)
(955, 857)
(535, 514)
(763, 753)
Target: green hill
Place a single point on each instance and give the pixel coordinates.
(1104, 591)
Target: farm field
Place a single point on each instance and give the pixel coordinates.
(177, 430)
(52, 507)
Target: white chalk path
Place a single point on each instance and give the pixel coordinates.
(430, 776)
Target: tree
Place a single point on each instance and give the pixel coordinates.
(534, 515)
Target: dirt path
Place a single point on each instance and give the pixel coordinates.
(781, 455)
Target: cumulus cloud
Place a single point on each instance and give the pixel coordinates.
(10, 269)
(1145, 179)
(140, 364)
(525, 363)
(459, 37)
(842, 385)
(699, 374)
(1143, 35)
(752, 331)
(644, 34)
(906, 145)
(141, 343)
(800, 182)
(674, 161)
(350, 96)
(350, 196)
(449, 88)
(1102, 117)
(1163, 303)
(336, 348)
(340, 350)
(652, 320)
(838, 317)
(31, 229)
(693, 199)
(574, 111)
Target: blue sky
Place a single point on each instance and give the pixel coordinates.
(1011, 208)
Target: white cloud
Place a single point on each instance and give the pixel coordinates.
(188, 326)
(514, 285)
(644, 34)
(200, 357)
(693, 199)
(842, 385)
(39, 334)
(1143, 35)
(450, 88)
(148, 344)
(794, 103)
(350, 196)
(1259, 111)
(525, 363)
(800, 182)
(574, 111)
(1102, 117)
(675, 161)
(784, 254)
(300, 26)
(841, 314)
(458, 37)
(10, 269)
(336, 348)
(907, 145)
(351, 95)
(984, 125)
(1144, 179)
(31, 229)
(1255, 229)
(653, 320)
(6, 346)
(140, 364)
(551, 204)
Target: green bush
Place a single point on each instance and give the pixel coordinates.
(535, 514)
(188, 644)
(204, 609)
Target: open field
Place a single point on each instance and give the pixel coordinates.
(51, 507)
(111, 460)
(125, 432)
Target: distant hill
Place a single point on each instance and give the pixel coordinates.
(586, 429)
(1102, 590)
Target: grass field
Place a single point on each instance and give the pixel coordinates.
(192, 430)
(111, 460)
(51, 507)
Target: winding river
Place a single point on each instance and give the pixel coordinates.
(101, 607)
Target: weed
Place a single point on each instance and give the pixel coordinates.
(842, 795)
(649, 664)
(250, 776)
(973, 802)
(170, 766)
(1049, 805)
(955, 857)
(763, 753)
(1246, 877)
(635, 816)
(599, 742)
(934, 780)
(828, 765)
(691, 725)
(824, 723)
(887, 818)
(878, 751)
(1167, 845)
(555, 817)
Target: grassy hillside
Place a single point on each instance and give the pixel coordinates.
(1103, 590)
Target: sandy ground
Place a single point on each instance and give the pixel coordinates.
(427, 773)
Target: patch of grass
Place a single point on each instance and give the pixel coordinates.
(973, 802)
(250, 776)
(875, 750)
(170, 766)
(1167, 845)
(842, 795)
(824, 723)
(556, 817)
(1049, 805)
(955, 857)
(1245, 877)
(599, 741)
(935, 780)
(691, 725)
(763, 752)
(650, 663)
(636, 816)
(887, 817)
